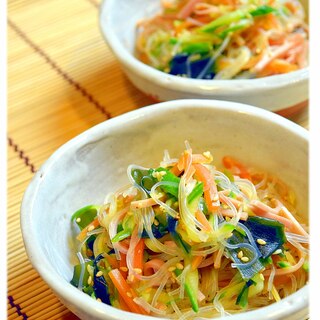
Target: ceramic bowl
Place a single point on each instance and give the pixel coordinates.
(86, 168)
(286, 93)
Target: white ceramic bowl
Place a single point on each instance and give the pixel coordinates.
(94, 163)
(287, 93)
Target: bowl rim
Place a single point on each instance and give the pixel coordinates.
(68, 293)
(226, 87)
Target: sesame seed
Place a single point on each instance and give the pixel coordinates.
(240, 254)
(78, 220)
(99, 273)
(207, 154)
(245, 259)
(131, 278)
(99, 300)
(179, 266)
(125, 269)
(89, 280)
(171, 269)
(278, 251)
(90, 228)
(156, 222)
(261, 276)
(129, 294)
(137, 270)
(261, 242)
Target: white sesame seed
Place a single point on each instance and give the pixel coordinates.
(261, 242)
(207, 154)
(125, 269)
(179, 266)
(90, 228)
(137, 270)
(240, 254)
(156, 222)
(278, 251)
(245, 259)
(89, 280)
(99, 274)
(78, 220)
(171, 269)
(129, 294)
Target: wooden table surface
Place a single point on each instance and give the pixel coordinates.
(62, 80)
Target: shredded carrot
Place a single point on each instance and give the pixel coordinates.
(175, 170)
(123, 304)
(138, 255)
(94, 224)
(196, 261)
(233, 164)
(126, 292)
(200, 216)
(210, 188)
(112, 261)
(123, 265)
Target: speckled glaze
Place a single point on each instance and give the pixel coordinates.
(118, 19)
(85, 169)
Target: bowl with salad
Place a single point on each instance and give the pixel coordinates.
(180, 210)
(254, 52)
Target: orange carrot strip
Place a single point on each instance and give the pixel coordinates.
(123, 304)
(94, 224)
(210, 188)
(175, 170)
(123, 265)
(138, 255)
(196, 261)
(112, 261)
(127, 293)
(178, 167)
(200, 216)
(231, 163)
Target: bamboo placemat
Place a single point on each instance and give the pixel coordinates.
(62, 80)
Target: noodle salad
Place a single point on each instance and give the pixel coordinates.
(187, 240)
(225, 39)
